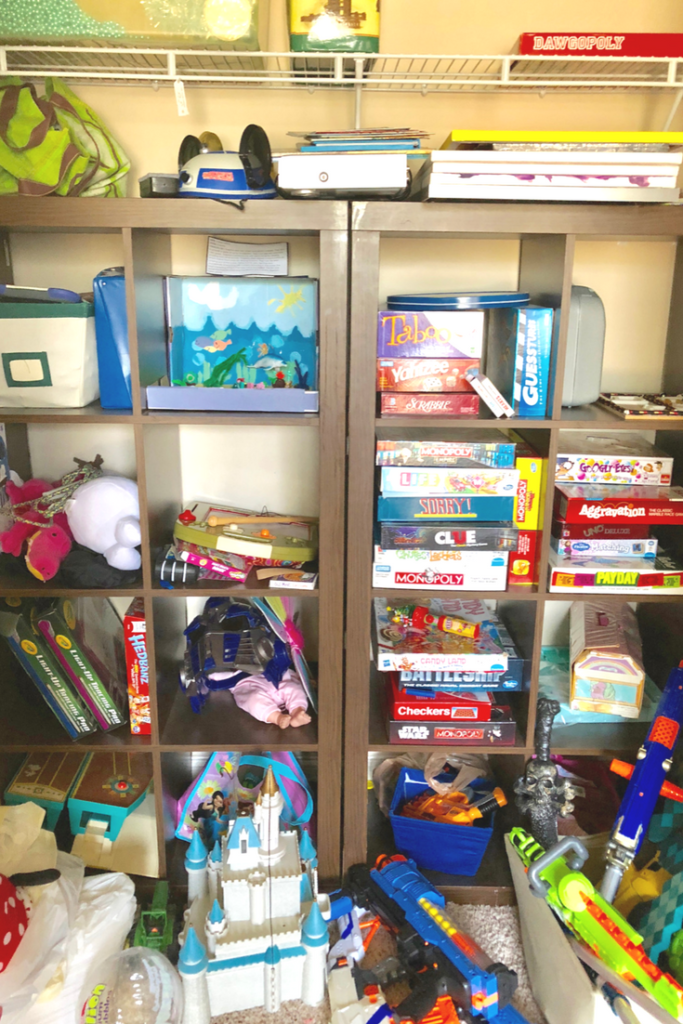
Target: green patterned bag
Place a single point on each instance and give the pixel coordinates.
(56, 144)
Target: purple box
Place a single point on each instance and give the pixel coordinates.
(450, 335)
(232, 399)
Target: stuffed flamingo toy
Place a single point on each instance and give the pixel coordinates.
(44, 542)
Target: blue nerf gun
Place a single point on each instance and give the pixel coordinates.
(647, 783)
(439, 960)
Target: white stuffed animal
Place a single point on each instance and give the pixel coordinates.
(104, 515)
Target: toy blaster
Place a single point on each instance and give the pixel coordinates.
(420, 617)
(451, 978)
(453, 808)
(646, 782)
(557, 878)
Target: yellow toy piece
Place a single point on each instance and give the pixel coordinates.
(640, 886)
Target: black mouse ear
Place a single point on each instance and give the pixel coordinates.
(44, 877)
(256, 156)
(189, 148)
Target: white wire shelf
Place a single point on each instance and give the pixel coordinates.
(415, 73)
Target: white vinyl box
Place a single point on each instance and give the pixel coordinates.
(343, 171)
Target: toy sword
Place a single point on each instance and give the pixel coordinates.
(647, 781)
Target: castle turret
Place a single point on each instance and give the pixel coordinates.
(192, 966)
(272, 986)
(309, 859)
(195, 864)
(216, 927)
(315, 940)
(215, 867)
(267, 811)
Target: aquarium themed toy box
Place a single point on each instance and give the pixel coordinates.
(245, 344)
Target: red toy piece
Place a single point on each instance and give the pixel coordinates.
(13, 921)
(187, 517)
(44, 541)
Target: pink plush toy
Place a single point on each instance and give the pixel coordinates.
(44, 543)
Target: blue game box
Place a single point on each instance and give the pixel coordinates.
(482, 508)
(518, 356)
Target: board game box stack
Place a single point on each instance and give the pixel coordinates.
(564, 166)
(461, 515)
(609, 491)
(439, 666)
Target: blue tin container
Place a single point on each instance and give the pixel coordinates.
(432, 301)
(434, 845)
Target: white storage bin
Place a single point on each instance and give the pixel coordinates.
(48, 354)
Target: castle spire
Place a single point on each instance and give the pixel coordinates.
(192, 965)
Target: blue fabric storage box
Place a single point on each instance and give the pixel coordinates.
(433, 845)
(111, 330)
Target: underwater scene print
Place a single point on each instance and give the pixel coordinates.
(243, 333)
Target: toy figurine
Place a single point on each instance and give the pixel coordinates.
(454, 808)
(541, 793)
(104, 515)
(232, 646)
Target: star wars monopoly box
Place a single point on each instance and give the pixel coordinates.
(600, 458)
(434, 335)
(137, 665)
(427, 448)
(443, 570)
(461, 734)
(428, 375)
(591, 503)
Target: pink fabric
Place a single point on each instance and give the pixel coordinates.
(259, 697)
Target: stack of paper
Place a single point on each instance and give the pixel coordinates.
(561, 166)
(368, 140)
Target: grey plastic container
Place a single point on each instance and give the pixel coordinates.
(585, 347)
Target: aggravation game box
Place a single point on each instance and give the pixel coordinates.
(137, 665)
(243, 332)
(595, 503)
(449, 335)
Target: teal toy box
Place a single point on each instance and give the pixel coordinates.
(49, 354)
(110, 787)
(244, 334)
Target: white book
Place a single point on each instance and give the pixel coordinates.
(533, 167)
(542, 156)
(546, 193)
(550, 180)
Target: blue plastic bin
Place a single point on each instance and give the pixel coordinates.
(111, 330)
(436, 846)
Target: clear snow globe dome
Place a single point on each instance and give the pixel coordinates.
(136, 986)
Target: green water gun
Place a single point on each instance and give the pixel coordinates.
(555, 875)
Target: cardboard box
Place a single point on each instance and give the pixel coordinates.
(447, 537)
(583, 531)
(511, 679)
(602, 458)
(481, 447)
(533, 473)
(443, 570)
(461, 735)
(601, 547)
(523, 562)
(484, 509)
(518, 356)
(398, 404)
(590, 503)
(429, 375)
(400, 481)
(137, 664)
(431, 335)
(435, 706)
(606, 656)
(35, 657)
(439, 651)
(615, 576)
(57, 623)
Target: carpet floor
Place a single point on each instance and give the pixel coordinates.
(495, 929)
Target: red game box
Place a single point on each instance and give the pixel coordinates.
(523, 561)
(602, 44)
(137, 665)
(406, 404)
(595, 503)
(442, 707)
(607, 531)
(460, 734)
(429, 375)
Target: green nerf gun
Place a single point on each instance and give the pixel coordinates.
(557, 878)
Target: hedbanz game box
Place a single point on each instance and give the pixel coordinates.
(591, 503)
